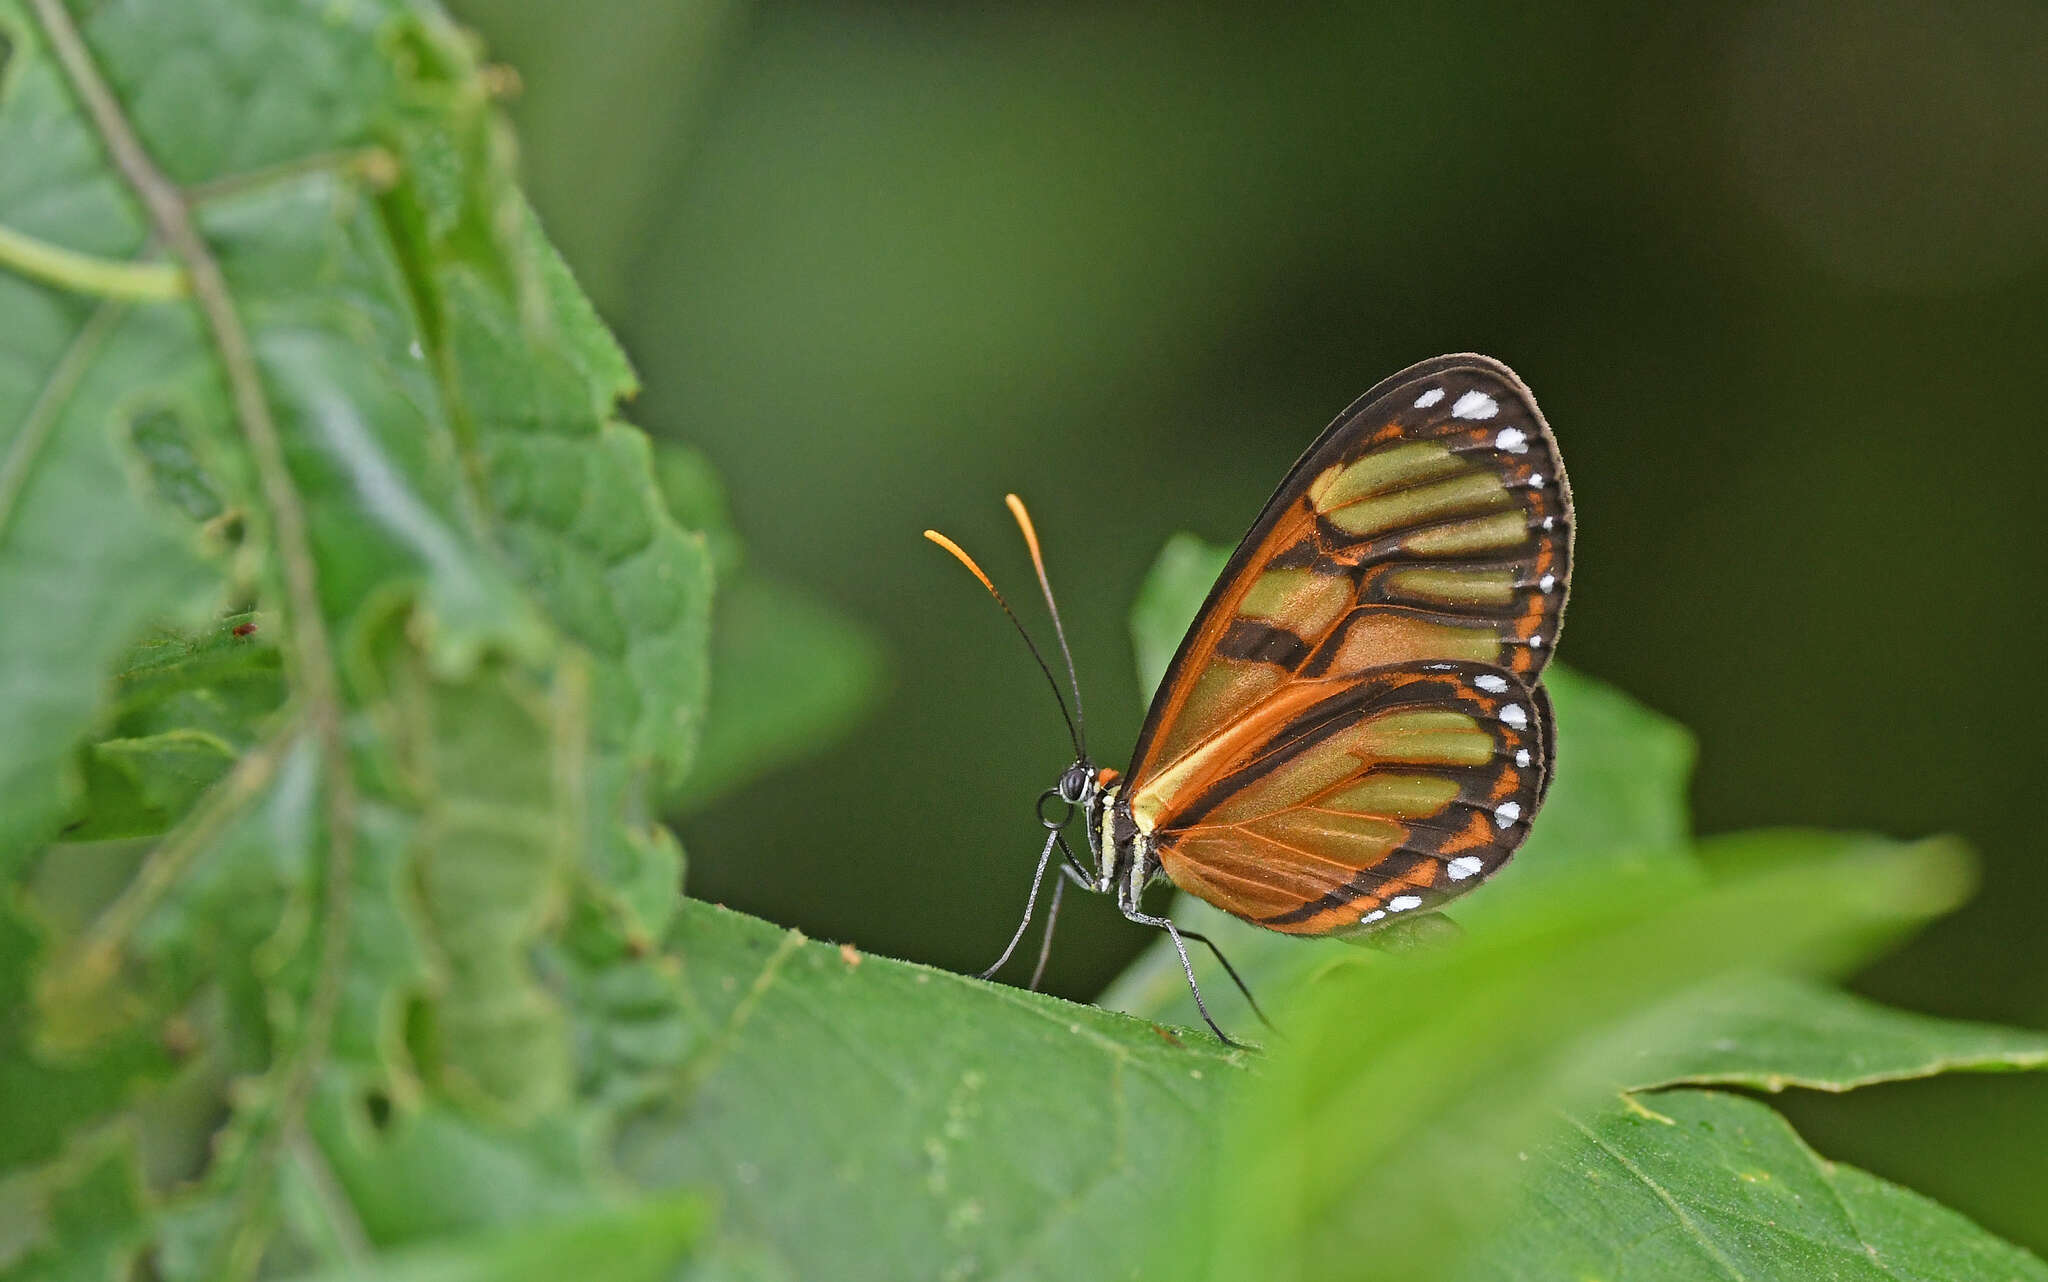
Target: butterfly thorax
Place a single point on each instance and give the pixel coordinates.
(1124, 860)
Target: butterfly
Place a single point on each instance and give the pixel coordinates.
(1354, 727)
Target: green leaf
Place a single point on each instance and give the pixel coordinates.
(90, 1216)
(139, 787)
(583, 519)
(175, 472)
(42, 1095)
(866, 1118)
(376, 467)
(379, 407)
(185, 707)
(413, 1175)
(85, 559)
(641, 1240)
(1771, 1032)
(1704, 1184)
(792, 675)
(226, 681)
(579, 511)
(492, 853)
(87, 552)
(1394, 1112)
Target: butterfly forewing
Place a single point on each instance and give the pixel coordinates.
(1352, 726)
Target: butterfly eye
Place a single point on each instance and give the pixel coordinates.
(1074, 783)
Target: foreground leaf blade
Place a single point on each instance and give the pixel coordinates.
(1392, 1115)
(1705, 1184)
(1772, 1032)
(370, 812)
(642, 1241)
(807, 1079)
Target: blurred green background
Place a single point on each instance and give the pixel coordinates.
(1778, 274)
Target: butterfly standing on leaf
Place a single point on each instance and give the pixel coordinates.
(1354, 727)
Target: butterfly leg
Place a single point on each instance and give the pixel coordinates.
(1030, 904)
(1235, 978)
(1076, 871)
(1052, 919)
(1073, 870)
(1132, 912)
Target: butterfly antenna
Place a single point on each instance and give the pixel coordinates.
(1045, 585)
(1072, 731)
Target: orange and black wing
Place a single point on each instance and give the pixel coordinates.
(1353, 725)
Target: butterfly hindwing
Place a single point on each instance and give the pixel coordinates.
(1391, 793)
(1413, 565)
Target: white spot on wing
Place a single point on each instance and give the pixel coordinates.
(1536, 480)
(1372, 917)
(1491, 683)
(1506, 813)
(1522, 758)
(1535, 643)
(1549, 522)
(1512, 439)
(1402, 903)
(1429, 398)
(1513, 714)
(1475, 405)
(1547, 583)
(1466, 866)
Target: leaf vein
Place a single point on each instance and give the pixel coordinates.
(1665, 1196)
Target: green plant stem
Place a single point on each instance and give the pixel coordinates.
(88, 274)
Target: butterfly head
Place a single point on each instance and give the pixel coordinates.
(1091, 790)
(1080, 788)
(1077, 784)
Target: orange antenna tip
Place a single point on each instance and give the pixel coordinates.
(1030, 537)
(964, 559)
(1017, 510)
